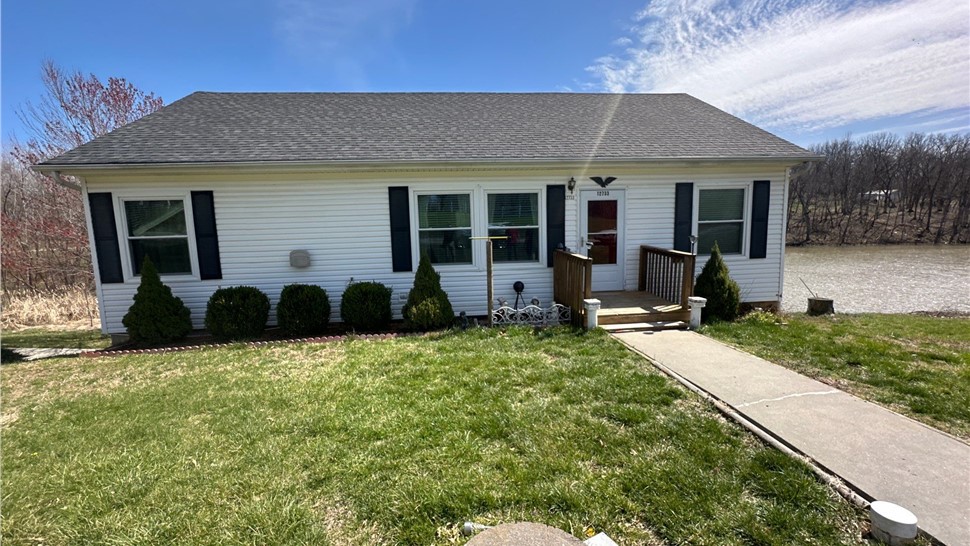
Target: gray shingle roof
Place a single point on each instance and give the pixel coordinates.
(284, 127)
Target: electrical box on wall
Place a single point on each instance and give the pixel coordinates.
(299, 258)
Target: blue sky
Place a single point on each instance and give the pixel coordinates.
(807, 70)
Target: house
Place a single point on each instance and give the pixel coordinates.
(268, 189)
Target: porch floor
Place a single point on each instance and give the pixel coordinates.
(627, 307)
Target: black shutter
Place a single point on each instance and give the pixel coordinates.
(400, 208)
(206, 237)
(105, 237)
(759, 219)
(683, 215)
(555, 220)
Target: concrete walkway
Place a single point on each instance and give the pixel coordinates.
(39, 353)
(884, 455)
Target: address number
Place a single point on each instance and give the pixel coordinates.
(603, 192)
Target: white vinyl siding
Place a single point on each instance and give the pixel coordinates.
(344, 225)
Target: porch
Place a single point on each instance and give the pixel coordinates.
(628, 307)
(665, 281)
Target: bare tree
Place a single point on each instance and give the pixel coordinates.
(884, 190)
(45, 244)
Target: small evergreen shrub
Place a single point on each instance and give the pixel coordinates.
(366, 306)
(156, 316)
(304, 309)
(237, 312)
(424, 316)
(722, 293)
(428, 306)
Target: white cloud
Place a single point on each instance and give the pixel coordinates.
(341, 33)
(803, 66)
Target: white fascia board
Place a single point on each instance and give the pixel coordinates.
(425, 166)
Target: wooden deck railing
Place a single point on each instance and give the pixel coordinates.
(667, 274)
(572, 276)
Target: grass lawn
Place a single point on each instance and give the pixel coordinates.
(55, 339)
(390, 442)
(917, 365)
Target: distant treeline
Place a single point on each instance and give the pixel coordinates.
(883, 189)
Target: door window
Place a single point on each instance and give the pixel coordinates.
(602, 231)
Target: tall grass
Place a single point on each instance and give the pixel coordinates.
(74, 306)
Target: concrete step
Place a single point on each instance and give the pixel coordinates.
(645, 326)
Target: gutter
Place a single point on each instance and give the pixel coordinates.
(418, 164)
(56, 175)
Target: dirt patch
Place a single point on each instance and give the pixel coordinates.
(343, 527)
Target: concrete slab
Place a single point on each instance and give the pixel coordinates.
(38, 354)
(524, 534)
(885, 455)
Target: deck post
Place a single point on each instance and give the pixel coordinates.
(488, 275)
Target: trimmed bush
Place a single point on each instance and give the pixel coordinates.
(722, 293)
(237, 312)
(366, 306)
(156, 316)
(304, 309)
(428, 306)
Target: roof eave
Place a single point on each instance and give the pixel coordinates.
(70, 168)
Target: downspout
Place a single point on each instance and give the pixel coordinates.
(784, 236)
(56, 175)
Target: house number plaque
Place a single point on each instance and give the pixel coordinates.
(603, 192)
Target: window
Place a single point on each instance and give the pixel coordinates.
(157, 229)
(514, 216)
(445, 228)
(720, 217)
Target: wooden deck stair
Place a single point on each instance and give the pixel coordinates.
(639, 310)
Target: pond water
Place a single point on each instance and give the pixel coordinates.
(880, 279)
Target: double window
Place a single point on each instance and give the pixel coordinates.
(721, 218)
(447, 222)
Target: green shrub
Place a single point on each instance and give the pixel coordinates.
(156, 316)
(237, 312)
(428, 306)
(304, 309)
(366, 306)
(722, 293)
(761, 317)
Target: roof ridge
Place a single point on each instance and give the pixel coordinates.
(511, 93)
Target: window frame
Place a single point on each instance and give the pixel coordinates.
(745, 212)
(540, 218)
(121, 221)
(478, 194)
(416, 228)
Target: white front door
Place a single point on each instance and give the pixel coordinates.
(601, 236)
